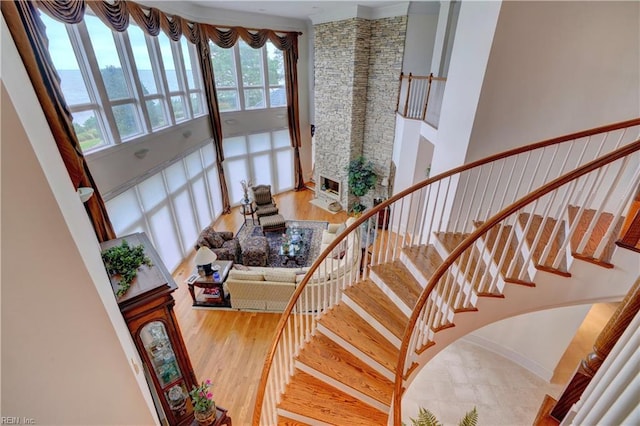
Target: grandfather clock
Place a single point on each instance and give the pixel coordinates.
(147, 308)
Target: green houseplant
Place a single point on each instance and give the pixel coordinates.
(427, 418)
(361, 177)
(124, 260)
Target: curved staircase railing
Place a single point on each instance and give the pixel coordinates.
(568, 217)
(454, 202)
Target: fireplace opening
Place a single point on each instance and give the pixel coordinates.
(330, 187)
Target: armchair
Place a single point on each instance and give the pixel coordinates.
(263, 201)
(223, 244)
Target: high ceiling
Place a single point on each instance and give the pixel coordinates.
(291, 9)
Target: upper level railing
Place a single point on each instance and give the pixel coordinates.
(450, 202)
(420, 97)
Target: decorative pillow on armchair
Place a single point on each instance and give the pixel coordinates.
(215, 240)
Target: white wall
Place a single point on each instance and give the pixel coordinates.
(64, 342)
(422, 23)
(555, 68)
(536, 340)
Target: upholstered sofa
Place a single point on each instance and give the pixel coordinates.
(269, 289)
(222, 243)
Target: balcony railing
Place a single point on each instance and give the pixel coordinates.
(420, 97)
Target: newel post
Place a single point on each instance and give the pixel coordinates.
(606, 340)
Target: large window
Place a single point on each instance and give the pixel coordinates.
(263, 158)
(121, 86)
(248, 78)
(171, 205)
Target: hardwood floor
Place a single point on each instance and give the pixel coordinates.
(228, 346)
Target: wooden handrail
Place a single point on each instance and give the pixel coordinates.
(381, 207)
(471, 239)
(603, 345)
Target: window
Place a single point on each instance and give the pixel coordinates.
(248, 78)
(122, 86)
(172, 205)
(265, 158)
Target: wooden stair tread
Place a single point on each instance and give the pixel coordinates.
(369, 297)
(503, 232)
(400, 281)
(310, 397)
(327, 357)
(549, 225)
(425, 258)
(469, 262)
(285, 421)
(351, 327)
(597, 234)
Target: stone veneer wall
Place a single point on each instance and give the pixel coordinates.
(385, 64)
(357, 66)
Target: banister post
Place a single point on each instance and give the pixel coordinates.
(399, 91)
(406, 103)
(426, 101)
(606, 340)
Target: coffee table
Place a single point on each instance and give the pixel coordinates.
(212, 293)
(293, 252)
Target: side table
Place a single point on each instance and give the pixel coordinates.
(212, 293)
(247, 209)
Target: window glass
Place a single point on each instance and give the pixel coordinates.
(156, 113)
(251, 65)
(234, 146)
(108, 60)
(236, 170)
(275, 64)
(167, 60)
(196, 103)
(87, 129)
(228, 100)
(281, 138)
(186, 57)
(126, 120)
(152, 191)
(208, 155)
(71, 80)
(124, 211)
(143, 60)
(223, 66)
(177, 102)
(175, 176)
(259, 142)
(278, 97)
(254, 98)
(284, 163)
(261, 165)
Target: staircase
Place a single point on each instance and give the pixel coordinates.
(513, 233)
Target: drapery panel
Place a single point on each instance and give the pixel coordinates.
(28, 32)
(116, 16)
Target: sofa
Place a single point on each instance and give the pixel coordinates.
(223, 244)
(269, 289)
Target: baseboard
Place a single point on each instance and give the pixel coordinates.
(517, 358)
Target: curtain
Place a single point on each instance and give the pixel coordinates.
(29, 35)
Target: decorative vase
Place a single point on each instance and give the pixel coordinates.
(206, 418)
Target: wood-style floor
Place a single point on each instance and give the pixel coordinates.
(229, 347)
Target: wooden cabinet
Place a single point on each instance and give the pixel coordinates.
(147, 308)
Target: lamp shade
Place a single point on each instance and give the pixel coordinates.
(204, 256)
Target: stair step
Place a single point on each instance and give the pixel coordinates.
(310, 397)
(369, 297)
(425, 258)
(351, 327)
(327, 357)
(597, 234)
(503, 232)
(400, 281)
(285, 421)
(470, 263)
(556, 245)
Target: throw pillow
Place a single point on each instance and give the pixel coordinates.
(215, 240)
(278, 276)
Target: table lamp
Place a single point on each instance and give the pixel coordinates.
(204, 258)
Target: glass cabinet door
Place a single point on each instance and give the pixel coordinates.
(158, 347)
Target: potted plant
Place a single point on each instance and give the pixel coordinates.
(204, 407)
(362, 178)
(124, 261)
(427, 418)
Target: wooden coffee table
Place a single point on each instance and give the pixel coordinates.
(212, 293)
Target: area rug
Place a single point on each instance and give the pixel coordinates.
(310, 231)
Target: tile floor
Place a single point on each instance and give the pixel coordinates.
(465, 375)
